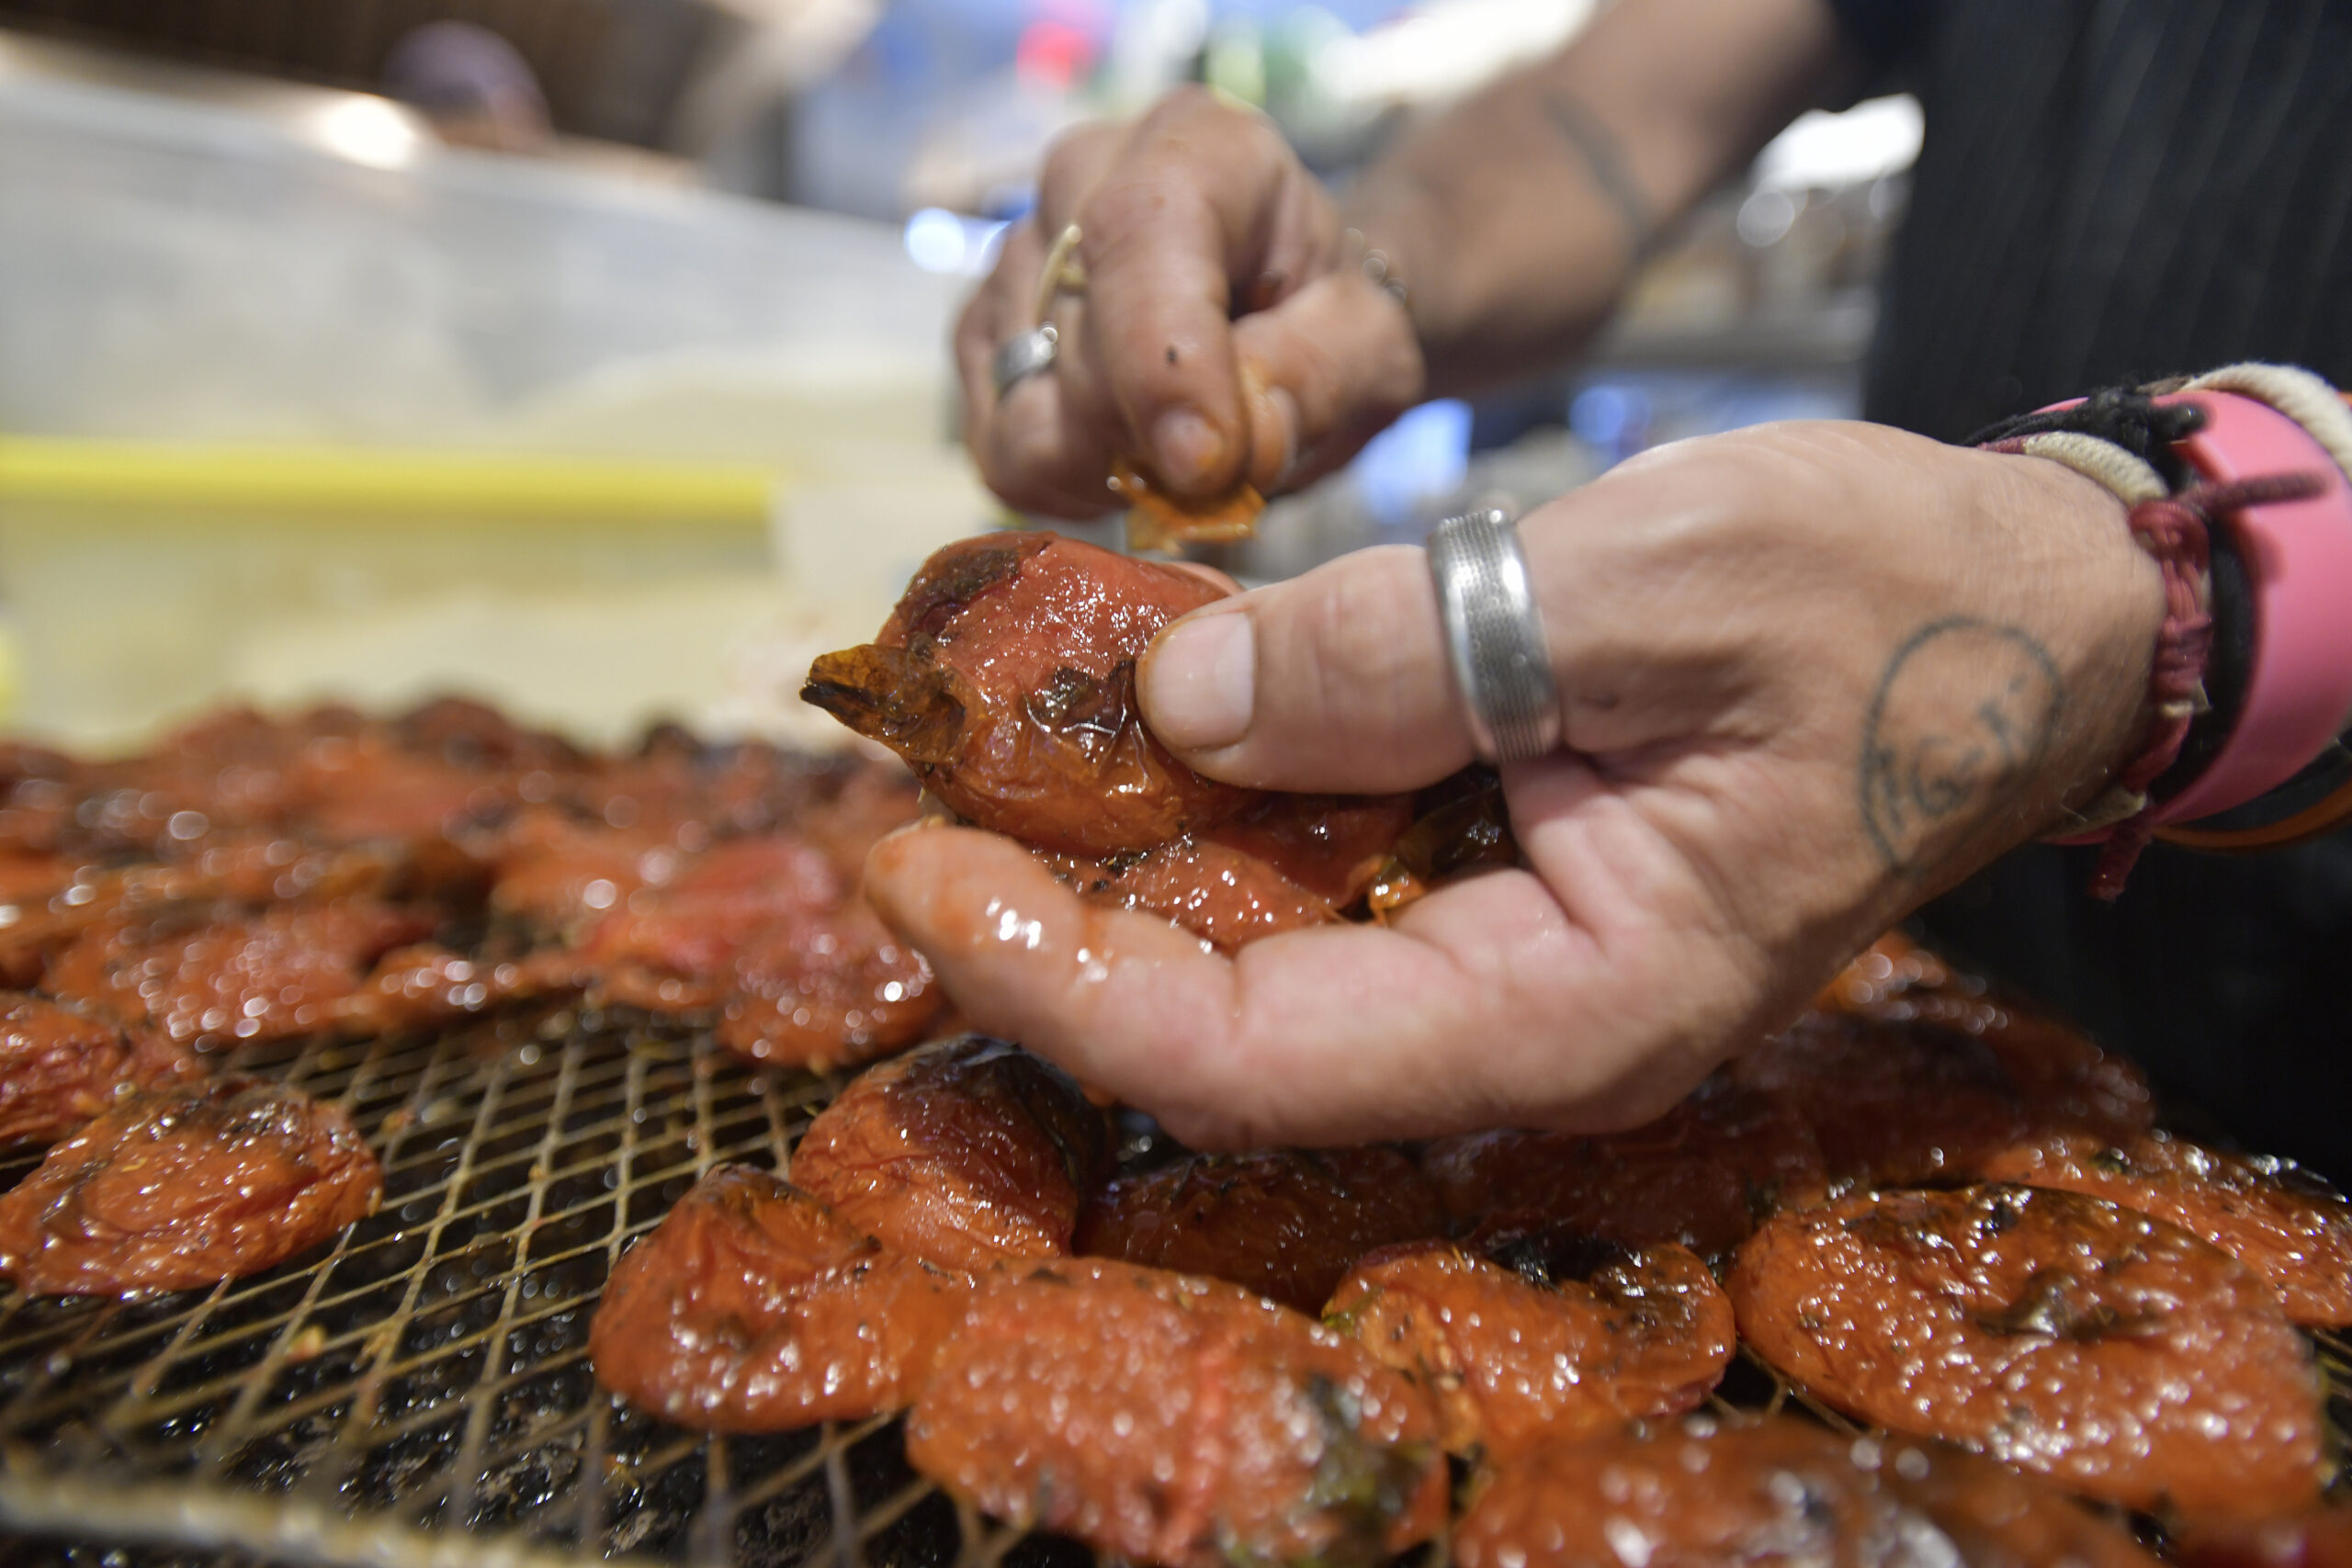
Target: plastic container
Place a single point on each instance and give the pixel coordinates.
(296, 404)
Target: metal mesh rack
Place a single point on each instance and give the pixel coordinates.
(419, 1391)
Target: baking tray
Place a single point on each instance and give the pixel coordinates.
(418, 1392)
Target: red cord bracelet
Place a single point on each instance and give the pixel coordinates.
(2288, 508)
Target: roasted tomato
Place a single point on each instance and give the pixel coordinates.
(827, 990)
(754, 1308)
(418, 987)
(60, 1067)
(1006, 679)
(2315, 1538)
(2064, 1079)
(1514, 1356)
(2116, 1353)
(693, 793)
(2279, 1220)
(1699, 1176)
(1177, 1421)
(964, 1153)
(1706, 1493)
(1289, 862)
(675, 945)
(554, 878)
(1287, 1223)
(802, 971)
(187, 1187)
(1889, 1103)
(207, 977)
(1226, 896)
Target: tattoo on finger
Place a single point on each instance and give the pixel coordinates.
(1963, 713)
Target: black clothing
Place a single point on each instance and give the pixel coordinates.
(2114, 190)
(1886, 31)
(2110, 191)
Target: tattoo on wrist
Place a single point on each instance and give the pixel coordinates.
(1962, 714)
(1605, 157)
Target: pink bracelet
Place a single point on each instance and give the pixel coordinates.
(2269, 448)
(2297, 556)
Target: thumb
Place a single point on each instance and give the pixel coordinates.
(1333, 680)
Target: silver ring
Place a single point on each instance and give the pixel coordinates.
(1025, 354)
(1494, 637)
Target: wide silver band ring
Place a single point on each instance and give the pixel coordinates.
(1023, 353)
(1494, 637)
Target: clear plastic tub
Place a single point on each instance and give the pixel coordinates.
(286, 410)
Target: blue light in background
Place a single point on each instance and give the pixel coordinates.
(1609, 417)
(1425, 453)
(941, 241)
(1633, 411)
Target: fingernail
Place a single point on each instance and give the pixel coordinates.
(1200, 683)
(1185, 446)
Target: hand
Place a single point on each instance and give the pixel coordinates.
(1812, 674)
(1207, 246)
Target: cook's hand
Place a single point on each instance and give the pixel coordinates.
(1206, 245)
(1812, 674)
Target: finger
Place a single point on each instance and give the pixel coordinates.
(1340, 361)
(1047, 449)
(1487, 1006)
(1045, 445)
(1204, 194)
(1019, 457)
(990, 316)
(1035, 444)
(1333, 680)
(1073, 166)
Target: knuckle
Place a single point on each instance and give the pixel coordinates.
(1182, 105)
(1070, 160)
(1363, 628)
(1125, 215)
(1265, 145)
(1195, 125)
(1190, 120)
(1345, 666)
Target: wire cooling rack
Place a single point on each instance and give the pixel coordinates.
(417, 1394)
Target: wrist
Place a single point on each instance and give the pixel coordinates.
(2093, 579)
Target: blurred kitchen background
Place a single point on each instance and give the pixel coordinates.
(588, 356)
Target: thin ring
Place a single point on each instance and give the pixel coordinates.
(1023, 355)
(1494, 637)
(1063, 274)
